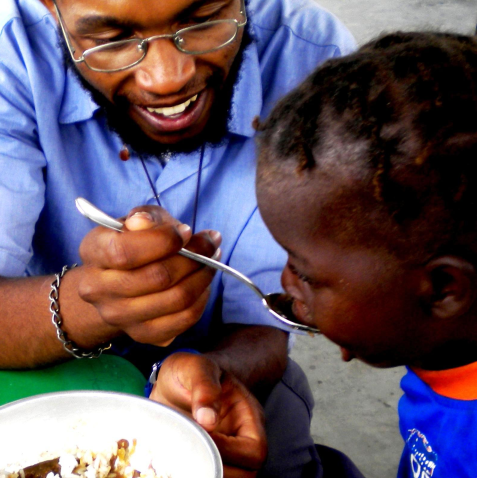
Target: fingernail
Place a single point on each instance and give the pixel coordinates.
(217, 255)
(206, 416)
(139, 220)
(185, 231)
(216, 237)
(142, 215)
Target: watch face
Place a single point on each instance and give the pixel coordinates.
(157, 366)
(154, 371)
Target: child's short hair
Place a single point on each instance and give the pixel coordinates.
(408, 102)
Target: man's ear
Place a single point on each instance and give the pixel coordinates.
(453, 282)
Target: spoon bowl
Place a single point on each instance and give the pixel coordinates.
(279, 305)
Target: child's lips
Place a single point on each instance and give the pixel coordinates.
(302, 313)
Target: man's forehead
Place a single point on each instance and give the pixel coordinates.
(87, 16)
(151, 6)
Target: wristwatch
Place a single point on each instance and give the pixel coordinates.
(157, 366)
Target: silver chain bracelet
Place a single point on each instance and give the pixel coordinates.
(57, 321)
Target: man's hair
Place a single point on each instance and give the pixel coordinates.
(407, 105)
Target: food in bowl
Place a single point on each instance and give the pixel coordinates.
(173, 444)
(114, 461)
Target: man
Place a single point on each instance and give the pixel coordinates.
(145, 103)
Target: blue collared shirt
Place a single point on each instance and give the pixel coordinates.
(55, 146)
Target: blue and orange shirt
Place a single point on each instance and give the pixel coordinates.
(438, 422)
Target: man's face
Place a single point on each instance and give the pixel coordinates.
(361, 298)
(169, 98)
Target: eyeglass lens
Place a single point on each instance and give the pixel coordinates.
(207, 36)
(195, 40)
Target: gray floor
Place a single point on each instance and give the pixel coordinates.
(355, 404)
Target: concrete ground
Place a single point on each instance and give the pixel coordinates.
(356, 405)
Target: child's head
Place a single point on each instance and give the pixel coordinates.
(368, 178)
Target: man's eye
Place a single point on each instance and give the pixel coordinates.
(202, 18)
(97, 41)
(197, 20)
(208, 13)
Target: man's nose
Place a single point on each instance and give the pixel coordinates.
(165, 70)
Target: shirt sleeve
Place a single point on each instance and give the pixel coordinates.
(21, 158)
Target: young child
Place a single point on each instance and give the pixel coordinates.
(367, 176)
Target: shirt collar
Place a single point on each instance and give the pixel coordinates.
(458, 383)
(247, 97)
(78, 105)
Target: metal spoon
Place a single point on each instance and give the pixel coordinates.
(279, 305)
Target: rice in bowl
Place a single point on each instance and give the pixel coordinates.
(116, 460)
(60, 422)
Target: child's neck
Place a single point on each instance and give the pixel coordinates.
(450, 355)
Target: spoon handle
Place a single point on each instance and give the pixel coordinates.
(94, 214)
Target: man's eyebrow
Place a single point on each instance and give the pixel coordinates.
(91, 23)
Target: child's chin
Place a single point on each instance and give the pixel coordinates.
(378, 361)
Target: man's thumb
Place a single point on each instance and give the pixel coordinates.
(206, 417)
(206, 397)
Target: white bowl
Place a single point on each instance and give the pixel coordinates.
(55, 422)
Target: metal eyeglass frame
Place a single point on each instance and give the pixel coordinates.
(143, 43)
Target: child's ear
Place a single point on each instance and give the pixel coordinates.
(453, 282)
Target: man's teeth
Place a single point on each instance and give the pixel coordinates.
(173, 110)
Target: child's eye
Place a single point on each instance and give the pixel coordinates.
(300, 276)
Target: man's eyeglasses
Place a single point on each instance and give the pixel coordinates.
(121, 55)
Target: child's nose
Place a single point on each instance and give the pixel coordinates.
(291, 283)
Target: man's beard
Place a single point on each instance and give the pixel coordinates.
(131, 134)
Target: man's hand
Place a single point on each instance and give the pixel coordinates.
(139, 284)
(221, 404)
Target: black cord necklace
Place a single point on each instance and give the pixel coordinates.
(197, 188)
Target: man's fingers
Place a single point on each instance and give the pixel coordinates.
(189, 383)
(233, 472)
(240, 436)
(153, 278)
(161, 331)
(119, 307)
(243, 452)
(219, 403)
(108, 249)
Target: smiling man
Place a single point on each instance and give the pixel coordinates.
(147, 107)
